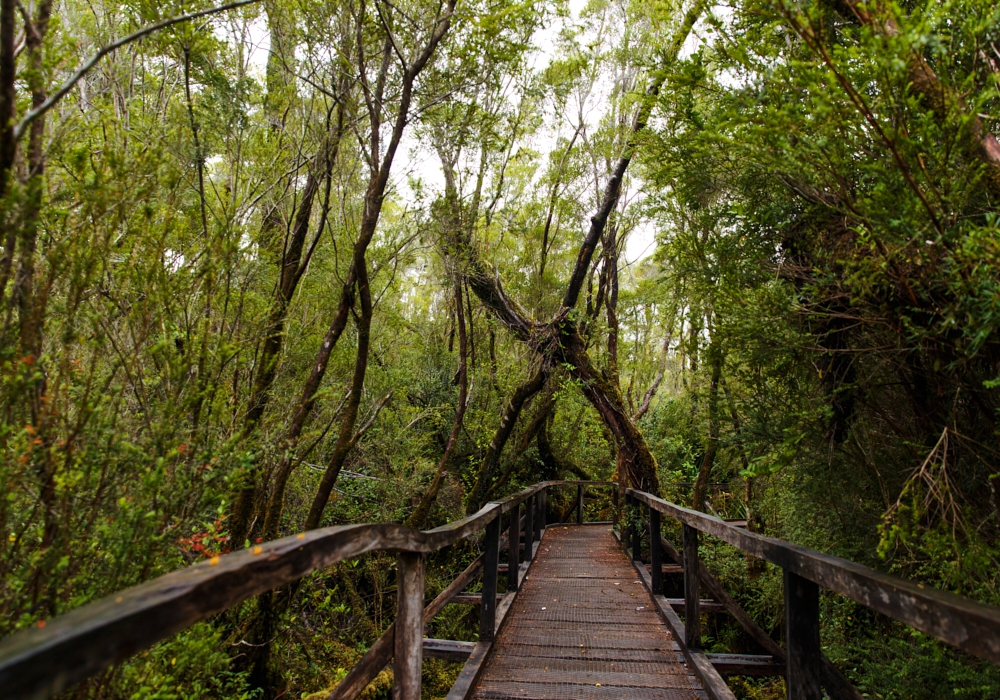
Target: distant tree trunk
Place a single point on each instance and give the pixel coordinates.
(734, 416)
(491, 461)
(346, 440)
(651, 392)
(423, 509)
(560, 340)
(294, 262)
(712, 448)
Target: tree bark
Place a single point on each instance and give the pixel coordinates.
(346, 440)
(491, 461)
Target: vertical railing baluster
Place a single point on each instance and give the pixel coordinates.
(529, 528)
(491, 560)
(802, 638)
(579, 504)
(692, 608)
(655, 552)
(626, 523)
(542, 507)
(614, 507)
(513, 547)
(409, 637)
(636, 518)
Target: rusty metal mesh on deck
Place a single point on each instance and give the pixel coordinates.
(583, 626)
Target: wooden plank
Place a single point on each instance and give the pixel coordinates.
(746, 665)
(968, 625)
(705, 605)
(448, 649)
(466, 680)
(802, 679)
(408, 650)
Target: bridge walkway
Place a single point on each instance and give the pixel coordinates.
(584, 627)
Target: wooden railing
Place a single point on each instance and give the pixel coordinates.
(970, 626)
(42, 661)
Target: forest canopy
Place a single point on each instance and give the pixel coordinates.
(276, 265)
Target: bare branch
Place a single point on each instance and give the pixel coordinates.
(41, 109)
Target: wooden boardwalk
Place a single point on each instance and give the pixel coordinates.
(583, 626)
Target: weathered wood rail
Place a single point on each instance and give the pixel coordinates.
(40, 662)
(965, 624)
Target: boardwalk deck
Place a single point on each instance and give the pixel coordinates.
(583, 626)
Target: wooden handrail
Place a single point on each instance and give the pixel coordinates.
(42, 661)
(966, 624)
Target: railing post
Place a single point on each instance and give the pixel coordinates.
(491, 559)
(529, 527)
(636, 529)
(655, 552)
(579, 504)
(408, 654)
(541, 513)
(692, 609)
(805, 657)
(513, 547)
(626, 523)
(614, 506)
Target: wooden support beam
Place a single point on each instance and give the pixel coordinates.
(579, 504)
(636, 532)
(513, 547)
(655, 552)
(529, 528)
(542, 510)
(746, 665)
(692, 611)
(491, 556)
(706, 605)
(408, 650)
(448, 649)
(667, 568)
(802, 638)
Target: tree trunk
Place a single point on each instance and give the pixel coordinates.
(423, 509)
(346, 440)
(712, 448)
(491, 461)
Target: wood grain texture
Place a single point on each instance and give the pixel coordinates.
(408, 649)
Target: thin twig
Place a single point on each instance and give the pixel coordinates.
(48, 104)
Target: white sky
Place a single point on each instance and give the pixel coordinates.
(414, 160)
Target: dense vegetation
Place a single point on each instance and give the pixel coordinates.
(401, 266)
